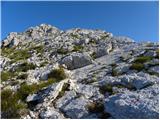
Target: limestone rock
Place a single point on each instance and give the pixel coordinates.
(76, 60)
(138, 105)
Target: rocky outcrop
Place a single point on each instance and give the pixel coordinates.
(76, 60)
(138, 105)
(48, 73)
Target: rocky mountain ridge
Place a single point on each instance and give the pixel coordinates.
(79, 73)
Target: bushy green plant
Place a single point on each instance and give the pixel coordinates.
(142, 59)
(115, 72)
(106, 88)
(58, 74)
(137, 66)
(74, 36)
(22, 76)
(39, 49)
(6, 75)
(77, 48)
(157, 52)
(10, 106)
(6, 51)
(95, 107)
(64, 88)
(93, 55)
(25, 90)
(20, 55)
(62, 51)
(25, 67)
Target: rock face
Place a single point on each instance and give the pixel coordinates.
(137, 105)
(47, 73)
(76, 60)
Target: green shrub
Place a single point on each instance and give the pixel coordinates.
(25, 90)
(7, 51)
(157, 52)
(20, 55)
(142, 59)
(22, 76)
(6, 75)
(115, 72)
(74, 36)
(46, 83)
(93, 55)
(39, 49)
(106, 88)
(25, 67)
(62, 51)
(64, 88)
(9, 104)
(77, 48)
(137, 66)
(95, 107)
(57, 74)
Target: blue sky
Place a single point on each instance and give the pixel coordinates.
(138, 20)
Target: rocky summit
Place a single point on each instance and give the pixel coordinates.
(47, 73)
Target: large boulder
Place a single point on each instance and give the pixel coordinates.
(76, 60)
(134, 105)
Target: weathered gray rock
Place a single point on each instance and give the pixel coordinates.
(89, 91)
(51, 113)
(138, 105)
(68, 96)
(154, 69)
(122, 68)
(3, 62)
(138, 81)
(150, 53)
(11, 40)
(100, 52)
(76, 60)
(76, 109)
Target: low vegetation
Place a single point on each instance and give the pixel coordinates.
(22, 76)
(74, 36)
(95, 107)
(98, 107)
(62, 51)
(157, 52)
(6, 75)
(65, 88)
(24, 67)
(137, 66)
(39, 49)
(17, 55)
(13, 103)
(10, 105)
(58, 74)
(142, 59)
(106, 88)
(77, 48)
(93, 55)
(115, 72)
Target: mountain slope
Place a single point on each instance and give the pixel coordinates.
(78, 73)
